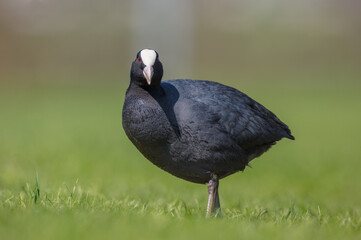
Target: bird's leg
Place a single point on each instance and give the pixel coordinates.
(214, 206)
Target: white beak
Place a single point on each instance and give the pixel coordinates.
(148, 73)
(148, 57)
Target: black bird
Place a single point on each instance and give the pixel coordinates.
(200, 131)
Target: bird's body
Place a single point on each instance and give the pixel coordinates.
(193, 129)
(200, 131)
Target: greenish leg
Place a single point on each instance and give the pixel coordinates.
(214, 206)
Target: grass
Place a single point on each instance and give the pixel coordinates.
(69, 172)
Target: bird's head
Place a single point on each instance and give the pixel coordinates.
(146, 70)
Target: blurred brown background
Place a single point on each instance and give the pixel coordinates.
(48, 40)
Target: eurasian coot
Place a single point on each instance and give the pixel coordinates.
(200, 131)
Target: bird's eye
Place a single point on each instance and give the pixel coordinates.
(139, 59)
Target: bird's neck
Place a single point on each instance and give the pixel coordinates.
(151, 89)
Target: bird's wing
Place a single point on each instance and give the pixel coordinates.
(247, 122)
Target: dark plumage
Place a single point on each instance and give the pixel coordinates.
(200, 131)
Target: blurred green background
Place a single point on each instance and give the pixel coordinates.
(64, 70)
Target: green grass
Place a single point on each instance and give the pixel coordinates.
(67, 171)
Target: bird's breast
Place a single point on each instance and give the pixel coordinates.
(144, 122)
